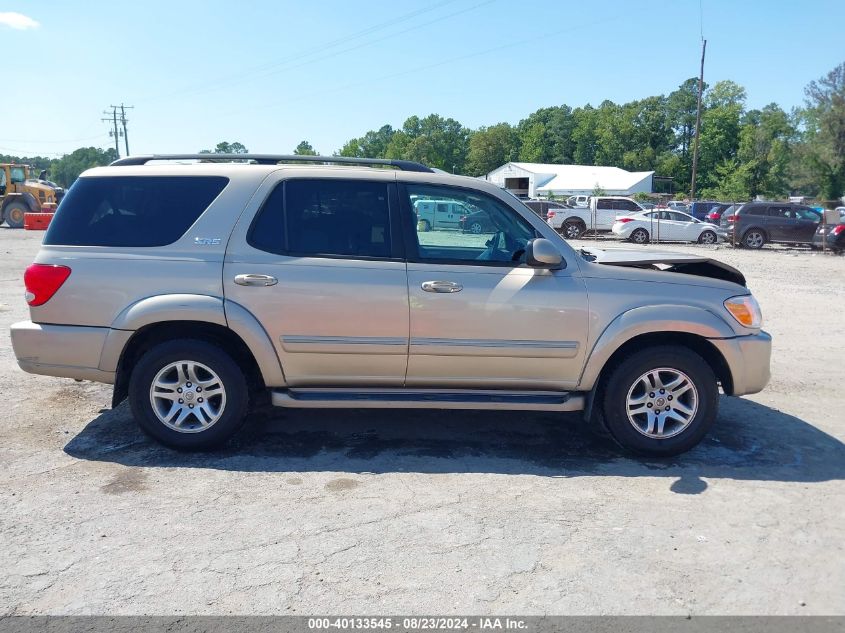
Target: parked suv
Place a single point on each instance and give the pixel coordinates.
(198, 289)
(753, 224)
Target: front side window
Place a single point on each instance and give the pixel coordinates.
(332, 218)
(488, 231)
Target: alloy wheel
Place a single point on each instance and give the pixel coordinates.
(187, 396)
(662, 403)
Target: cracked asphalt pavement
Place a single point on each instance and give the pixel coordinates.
(412, 512)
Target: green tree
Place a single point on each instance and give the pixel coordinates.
(491, 147)
(372, 145)
(225, 147)
(304, 149)
(66, 170)
(533, 145)
(584, 135)
(823, 150)
(765, 151)
(720, 126)
(433, 140)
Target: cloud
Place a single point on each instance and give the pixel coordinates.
(18, 21)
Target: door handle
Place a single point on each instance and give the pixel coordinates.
(441, 286)
(255, 280)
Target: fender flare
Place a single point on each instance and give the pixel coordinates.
(190, 307)
(650, 320)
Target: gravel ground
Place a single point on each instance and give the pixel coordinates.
(401, 512)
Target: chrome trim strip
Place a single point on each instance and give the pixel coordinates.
(296, 339)
(469, 342)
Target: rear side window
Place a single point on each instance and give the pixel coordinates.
(324, 218)
(131, 210)
(753, 210)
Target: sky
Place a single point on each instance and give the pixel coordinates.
(270, 74)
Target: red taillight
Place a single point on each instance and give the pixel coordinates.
(550, 215)
(731, 218)
(42, 281)
(463, 218)
(623, 220)
(839, 228)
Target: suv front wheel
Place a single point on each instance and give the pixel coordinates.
(660, 401)
(188, 395)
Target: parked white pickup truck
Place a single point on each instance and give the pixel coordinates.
(600, 215)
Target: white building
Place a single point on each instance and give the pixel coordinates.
(538, 180)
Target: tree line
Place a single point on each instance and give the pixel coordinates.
(743, 152)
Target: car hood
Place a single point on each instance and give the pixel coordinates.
(668, 261)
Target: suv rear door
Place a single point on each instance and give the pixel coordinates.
(480, 319)
(319, 262)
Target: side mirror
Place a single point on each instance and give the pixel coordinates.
(541, 253)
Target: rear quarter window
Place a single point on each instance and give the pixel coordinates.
(131, 210)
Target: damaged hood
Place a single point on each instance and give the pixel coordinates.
(668, 261)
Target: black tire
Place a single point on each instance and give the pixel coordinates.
(14, 214)
(754, 239)
(227, 370)
(624, 378)
(573, 229)
(424, 226)
(476, 228)
(640, 236)
(711, 237)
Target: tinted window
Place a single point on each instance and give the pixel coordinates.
(781, 212)
(753, 210)
(504, 233)
(131, 210)
(324, 217)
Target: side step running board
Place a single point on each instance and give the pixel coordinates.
(313, 398)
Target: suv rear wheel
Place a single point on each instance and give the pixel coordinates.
(188, 394)
(660, 401)
(753, 238)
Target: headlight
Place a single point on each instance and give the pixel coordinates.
(745, 310)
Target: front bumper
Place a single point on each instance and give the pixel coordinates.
(748, 358)
(67, 351)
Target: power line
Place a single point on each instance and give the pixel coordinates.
(246, 74)
(529, 40)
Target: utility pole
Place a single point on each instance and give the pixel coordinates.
(113, 120)
(698, 121)
(116, 132)
(124, 121)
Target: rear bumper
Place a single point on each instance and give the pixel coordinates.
(748, 358)
(835, 243)
(62, 350)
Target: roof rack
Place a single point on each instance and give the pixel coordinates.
(273, 159)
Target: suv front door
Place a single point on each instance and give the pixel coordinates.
(319, 263)
(479, 316)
